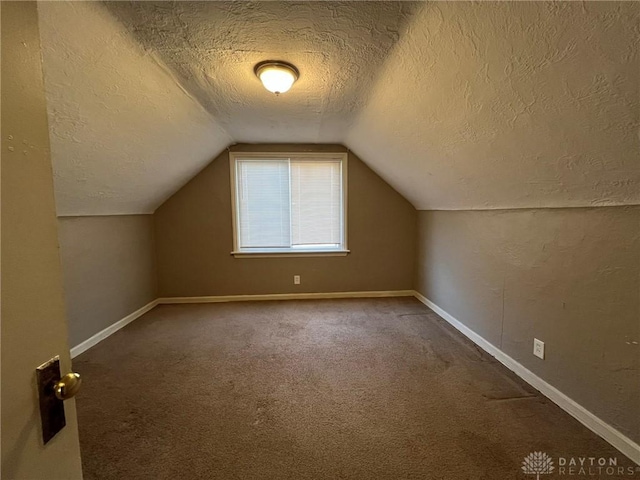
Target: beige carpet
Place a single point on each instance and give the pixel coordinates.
(326, 389)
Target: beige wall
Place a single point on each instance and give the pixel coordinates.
(570, 277)
(108, 264)
(194, 240)
(34, 327)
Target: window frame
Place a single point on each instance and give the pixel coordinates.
(290, 252)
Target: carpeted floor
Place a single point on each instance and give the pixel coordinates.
(327, 389)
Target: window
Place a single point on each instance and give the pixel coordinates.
(289, 203)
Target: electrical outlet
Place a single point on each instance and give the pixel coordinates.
(296, 279)
(538, 348)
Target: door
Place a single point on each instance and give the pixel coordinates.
(34, 325)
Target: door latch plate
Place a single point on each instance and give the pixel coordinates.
(51, 408)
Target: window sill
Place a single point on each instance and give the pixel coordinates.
(267, 254)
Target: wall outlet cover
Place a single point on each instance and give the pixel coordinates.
(296, 279)
(538, 348)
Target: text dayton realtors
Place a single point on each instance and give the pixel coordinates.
(592, 466)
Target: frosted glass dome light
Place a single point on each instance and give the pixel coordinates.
(277, 77)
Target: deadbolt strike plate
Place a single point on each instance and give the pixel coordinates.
(51, 408)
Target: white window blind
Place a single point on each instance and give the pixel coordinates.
(263, 191)
(289, 204)
(315, 204)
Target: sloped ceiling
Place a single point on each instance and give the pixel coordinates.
(124, 135)
(457, 105)
(142, 95)
(509, 105)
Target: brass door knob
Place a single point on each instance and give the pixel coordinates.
(68, 386)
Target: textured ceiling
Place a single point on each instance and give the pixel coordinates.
(457, 105)
(124, 135)
(213, 47)
(509, 105)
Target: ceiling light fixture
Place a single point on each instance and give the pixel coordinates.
(276, 76)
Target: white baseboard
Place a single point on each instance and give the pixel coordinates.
(286, 296)
(623, 443)
(111, 329)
